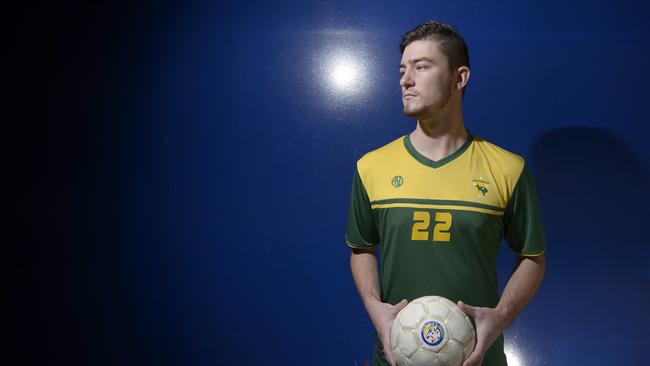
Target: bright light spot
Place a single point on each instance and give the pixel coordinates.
(512, 355)
(344, 73)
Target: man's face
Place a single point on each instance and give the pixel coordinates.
(426, 80)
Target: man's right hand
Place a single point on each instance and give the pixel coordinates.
(382, 316)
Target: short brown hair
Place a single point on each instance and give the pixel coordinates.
(451, 43)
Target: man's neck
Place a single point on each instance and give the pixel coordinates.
(437, 138)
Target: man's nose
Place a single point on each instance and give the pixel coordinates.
(406, 80)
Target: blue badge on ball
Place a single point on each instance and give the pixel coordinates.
(432, 333)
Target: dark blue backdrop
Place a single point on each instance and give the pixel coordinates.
(182, 173)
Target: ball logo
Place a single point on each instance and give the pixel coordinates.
(432, 333)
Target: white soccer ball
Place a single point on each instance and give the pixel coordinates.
(432, 330)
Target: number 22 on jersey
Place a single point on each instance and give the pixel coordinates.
(422, 223)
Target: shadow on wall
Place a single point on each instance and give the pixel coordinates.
(594, 196)
(592, 189)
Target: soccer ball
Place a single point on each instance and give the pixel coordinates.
(431, 330)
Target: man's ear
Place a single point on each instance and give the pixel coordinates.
(462, 77)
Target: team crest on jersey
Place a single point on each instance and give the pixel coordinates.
(432, 333)
(397, 181)
(480, 185)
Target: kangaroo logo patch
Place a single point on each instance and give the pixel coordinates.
(480, 185)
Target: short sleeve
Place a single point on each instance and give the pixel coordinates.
(522, 225)
(361, 230)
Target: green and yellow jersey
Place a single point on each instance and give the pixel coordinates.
(440, 223)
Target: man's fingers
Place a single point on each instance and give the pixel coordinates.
(390, 359)
(476, 356)
(388, 352)
(387, 345)
(472, 360)
(390, 311)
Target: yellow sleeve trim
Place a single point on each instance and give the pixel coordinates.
(532, 255)
(358, 246)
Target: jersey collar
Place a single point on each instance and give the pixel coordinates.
(436, 164)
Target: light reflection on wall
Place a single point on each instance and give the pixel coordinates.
(512, 354)
(345, 73)
(344, 69)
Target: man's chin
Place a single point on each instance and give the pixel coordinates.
(411, 112)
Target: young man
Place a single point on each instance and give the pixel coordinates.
(439, 201)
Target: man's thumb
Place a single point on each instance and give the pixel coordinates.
(469, 310)
(400, 305)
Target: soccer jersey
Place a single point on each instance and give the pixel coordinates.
(440, 223)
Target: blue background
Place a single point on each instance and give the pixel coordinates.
(181, 174)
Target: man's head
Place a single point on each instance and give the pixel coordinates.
(451, 43)
(434, 67)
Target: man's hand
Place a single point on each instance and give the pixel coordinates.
(490, 323)
(382, 316)
(363, 263)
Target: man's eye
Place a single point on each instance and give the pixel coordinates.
(420, 67)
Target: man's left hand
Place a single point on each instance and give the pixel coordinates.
(490, 323)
